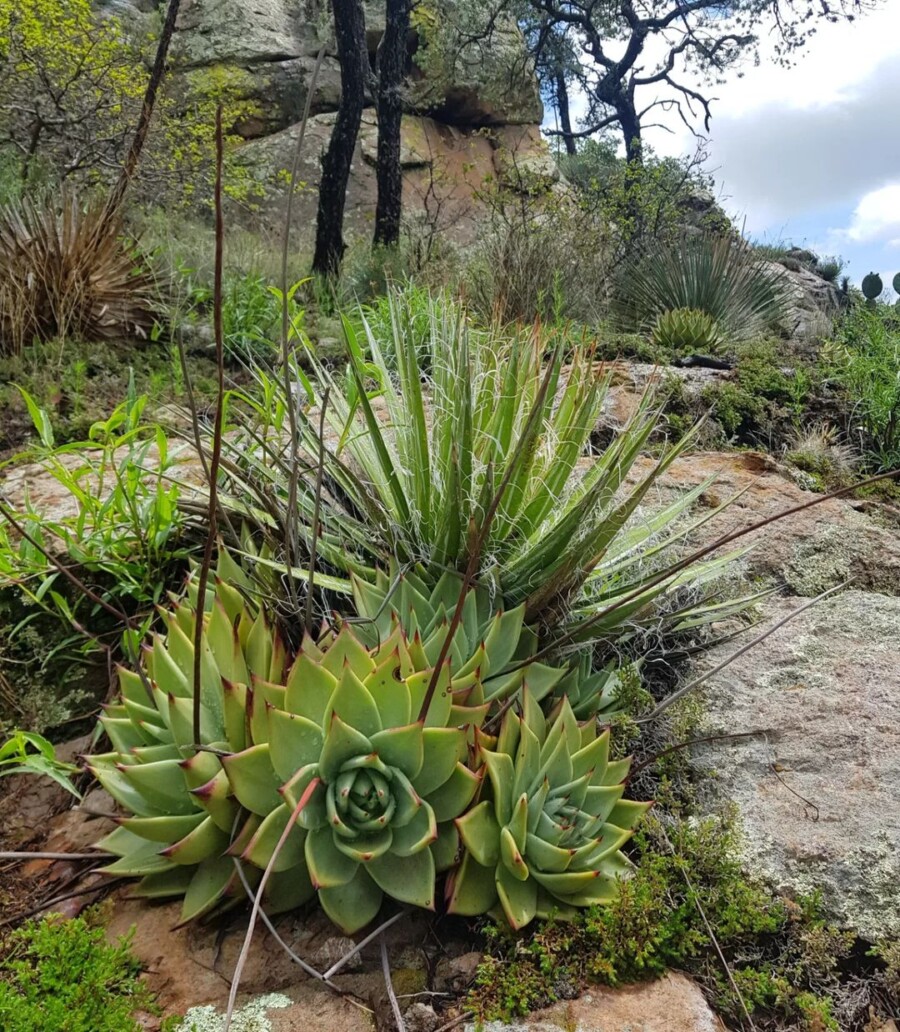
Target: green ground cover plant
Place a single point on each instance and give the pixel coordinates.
(25, 752)
(62, 975)
(689, 898)
(118, 524)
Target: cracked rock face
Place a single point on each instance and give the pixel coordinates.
(273, 43)
(818, 788)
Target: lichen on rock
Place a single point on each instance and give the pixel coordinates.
(252, 1017)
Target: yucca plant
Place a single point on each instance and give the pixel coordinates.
(704, 272)
(419, 442)
(548, 839)
(68, 270)
(373, 742)
(686, 330)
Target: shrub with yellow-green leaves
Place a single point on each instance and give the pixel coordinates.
(71, 88)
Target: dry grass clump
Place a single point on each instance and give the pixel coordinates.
(67, 270)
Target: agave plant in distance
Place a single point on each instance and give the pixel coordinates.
(385, 754)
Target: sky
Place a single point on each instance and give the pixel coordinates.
(811, 154)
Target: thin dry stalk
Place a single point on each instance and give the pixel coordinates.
(291, 529)
(389, 985)
(212, 525)
(317, 510)
(257, 902)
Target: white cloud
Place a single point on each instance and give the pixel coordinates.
(820, 134)
(876, 217)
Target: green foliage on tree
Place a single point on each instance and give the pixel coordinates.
(71, 88)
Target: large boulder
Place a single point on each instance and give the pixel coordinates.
(447, 173)
(812, 301)
(268, 51)
(817, 786)
(488, 81)
(229, 31)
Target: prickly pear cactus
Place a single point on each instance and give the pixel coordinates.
(872, 286)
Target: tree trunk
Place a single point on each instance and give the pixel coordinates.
(565, 118)
(391, 73)
(631, 128)
(634, 154)
(353, 56)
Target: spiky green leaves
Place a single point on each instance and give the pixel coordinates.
(387, 783)
(548, 839)
(687, 330)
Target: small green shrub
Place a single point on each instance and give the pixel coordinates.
(251, 317)
(648, 202)
(405, 313)
(763, 400)
(817, 450)
(61, 975)
(829, 269)
(863, 360)
(546, 257)
(119, 523)
(27, 753)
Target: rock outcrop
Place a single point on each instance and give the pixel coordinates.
(812, 300)
(473, 123)
(274, 43)
(817, 787)
(672, 1004)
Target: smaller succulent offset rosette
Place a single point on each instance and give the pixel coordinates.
(548, 839)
